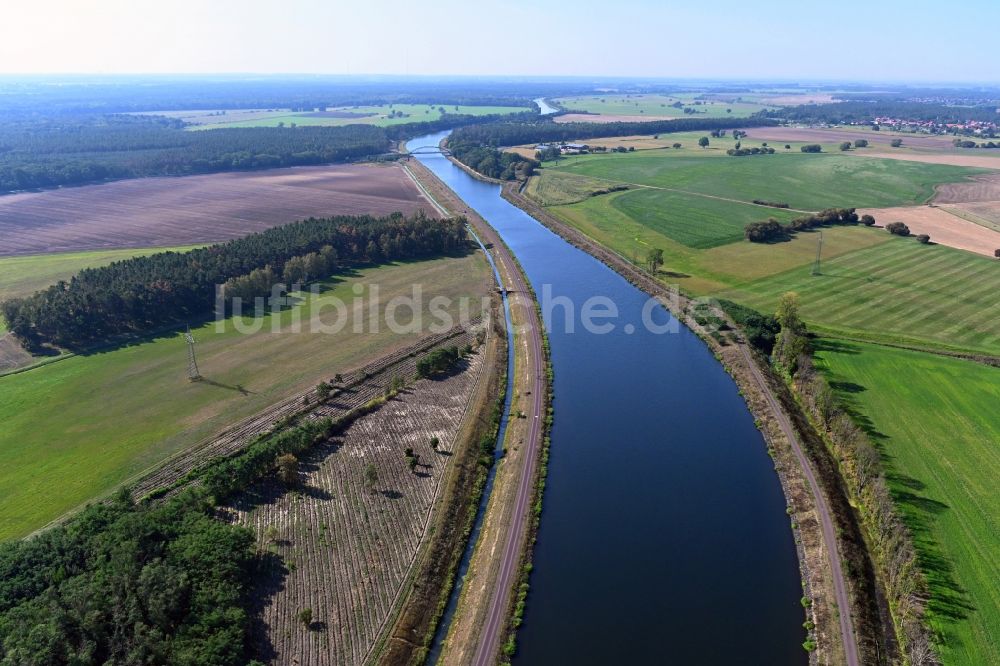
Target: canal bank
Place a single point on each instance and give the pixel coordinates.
(664, 528)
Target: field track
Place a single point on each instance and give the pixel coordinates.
(159, 212)
(358, 388)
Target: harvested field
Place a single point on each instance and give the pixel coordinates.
(157, 212)
(12, 354)
(978, 188)
(838, 134)
(983, 213)
(337, 547)
(594, 118)
(943, 227)
(968, 158)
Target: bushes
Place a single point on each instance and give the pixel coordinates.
(923, 239)
(438, 361)
(760, 329)
(772, 204)
(896, 143)
(812, 148)
(741, 152)
(897, 229)
(765, 232)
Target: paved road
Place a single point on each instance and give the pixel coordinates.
(847, 635)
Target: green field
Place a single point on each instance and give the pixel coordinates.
(804, 181)
(77, 428)
(657, 105)
(935, 416)
(900, 291)
(366, 115)
(692, 220)
(21, 276)
(936, 420)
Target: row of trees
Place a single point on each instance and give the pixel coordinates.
(143, 293)
(772, 230)
(545, 130)
(861, 467)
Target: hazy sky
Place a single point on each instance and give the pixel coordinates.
(792, 39)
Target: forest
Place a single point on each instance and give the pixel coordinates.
(867, 111)
(54, 151)
(127, 584)
(145, 293)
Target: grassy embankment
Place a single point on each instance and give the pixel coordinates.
(931, 415)
(122, 411)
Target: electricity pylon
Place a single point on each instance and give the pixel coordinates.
(193, 373)
(819, 252)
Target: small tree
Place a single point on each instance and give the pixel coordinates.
(288, 469)
(703, 142)
(323, 390)
(788, 146)
(861, 143)
(371, 477)
(898, 229)
(654, 259)
(413, 461)
(868, 220)
(306, 617)
(996, 253)
(434, 443)
(677, 145)
(924, 239)
(896, 143)
(791, 342)
(846, 145)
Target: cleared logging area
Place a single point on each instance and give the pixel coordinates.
(159, 212)
(341, 548)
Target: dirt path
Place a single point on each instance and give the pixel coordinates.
(846, 621)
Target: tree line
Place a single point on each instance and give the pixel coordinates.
(771, 230)
(144, 293)
(490, 161)
(544, 130)
(866, 111)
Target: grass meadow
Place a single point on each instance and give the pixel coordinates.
(657, 105)
(936, 422)
(22, 276)
(352, 115)
(900, 292)
(120, 412)
(804, 181)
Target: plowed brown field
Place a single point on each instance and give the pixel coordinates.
(160, 212)
(943, 227)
